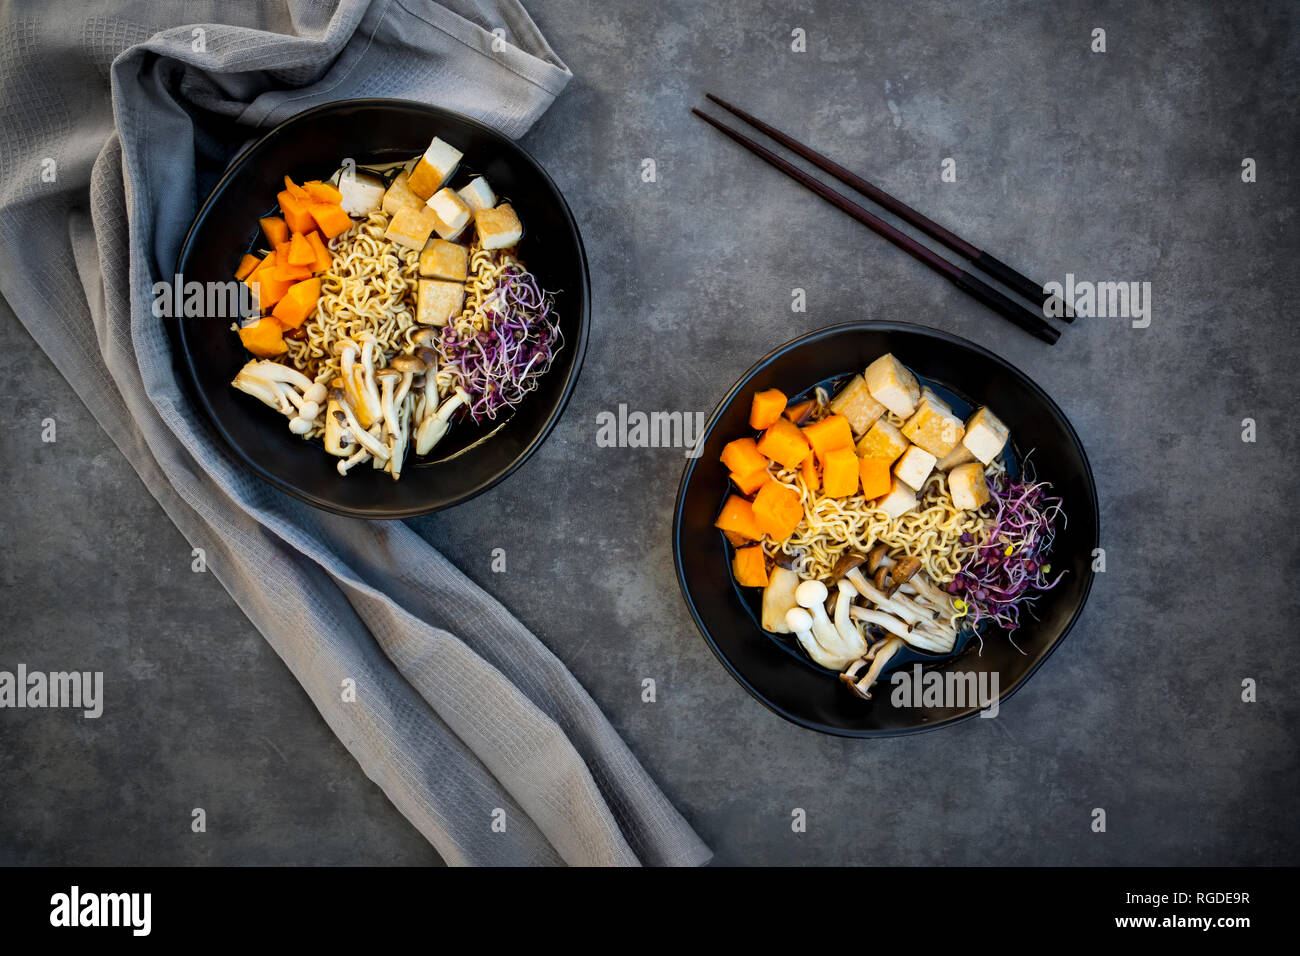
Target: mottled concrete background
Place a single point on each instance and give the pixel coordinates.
(1117, 166)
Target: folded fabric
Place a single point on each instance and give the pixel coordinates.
(460, 713)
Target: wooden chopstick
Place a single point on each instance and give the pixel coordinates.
(982, 260)
(1031, 322)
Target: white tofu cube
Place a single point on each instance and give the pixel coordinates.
(450, 212)
(968, 486)
(478, 194)
(882, 440)
(892, 385)
(434, 168)
(498, 228)
(933, 426)
(362, 193)
(438, 302)
(855, 403)
(900, 500)
(959, 455)
(915, 466)
(399, 196)
(985, 435)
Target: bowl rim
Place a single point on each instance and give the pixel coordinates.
(688, 472)
(187, 353)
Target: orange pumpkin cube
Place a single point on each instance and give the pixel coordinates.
(809, 472)
(298, 303)
(750, 567)
(294, 189)
(777, 510)
(830, 434)
(323, 192)
(799, 412)
(297, 214)
(264, 338)
(742, 456)
(276, 231)
(875, 475)
(300, 251)
(737, 517)
(767, 408)
(784, 443)
(840, 473)
(246, 266)
(323, 258)
(750, 483)
(263, 280)
(331, 218)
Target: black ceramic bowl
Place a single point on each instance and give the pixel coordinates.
(312, 145)
(770, 666)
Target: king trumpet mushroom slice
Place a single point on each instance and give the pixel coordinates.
(778, 598)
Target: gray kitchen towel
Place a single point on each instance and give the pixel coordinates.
(109, 108)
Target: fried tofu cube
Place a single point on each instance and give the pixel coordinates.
(441, 259)
(915, 466)
(478, 194)
(434, 168)
(968, 486)
(900, 499)
(450, 212)
(933, 426)
(985, 435)
(892, 385)
(959, 455)
(399, 196)
(883, 440)
(411, 227)
(498, 228)
(855, 403)
(438, 302)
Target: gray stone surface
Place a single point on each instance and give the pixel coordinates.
(1118, 166)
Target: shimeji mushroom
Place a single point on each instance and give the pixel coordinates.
(369, 385)
(811, 595)
(801, 623)
(285, 389)
(358, 434)
(848, 631)
(877, 657)
(436, 421)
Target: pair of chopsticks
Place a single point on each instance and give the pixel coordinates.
(1032, 322)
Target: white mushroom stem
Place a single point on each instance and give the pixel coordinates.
(369, 387)
(433, 427)
(878, 597)
(890, 623)
(801, 622)
(362, 437)
(922, 636)
(401, 438)
(882, 655)
(921, 585)
(850, 636)
(355, 459)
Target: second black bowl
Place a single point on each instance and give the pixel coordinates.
(768, 665)
(312, 145)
